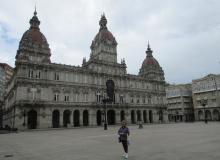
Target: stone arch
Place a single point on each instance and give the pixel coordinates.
(32, 119)
(150, 116)
(76, 118)
(145, 116)
(160, 114)
(208, 115)
(216, 115)
(132, 116)
(200, 115)
(99, 118)
(56, 119)
(111, 117)
(139, 115)
(66, 117)
(85, 118)
(122, 115)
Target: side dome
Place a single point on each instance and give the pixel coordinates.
(151, 68)
(104, 35)
(33, 44)
(150, 61)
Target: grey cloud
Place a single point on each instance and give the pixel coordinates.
(183, 34)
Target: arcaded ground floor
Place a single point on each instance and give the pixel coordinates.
(58, 117)
(210, 114)
(178, 141)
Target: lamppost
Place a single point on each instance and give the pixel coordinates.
(110, 87)
(105, 114)
(204, 103)
(24, 114)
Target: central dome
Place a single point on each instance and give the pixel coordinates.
(104, 35)
(150, 61)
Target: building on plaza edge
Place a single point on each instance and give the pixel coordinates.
(43, 94)
(6, 72)
(207, 88)
(179, 103)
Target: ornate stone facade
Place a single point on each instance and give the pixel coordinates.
(45, 95)
(208, 89)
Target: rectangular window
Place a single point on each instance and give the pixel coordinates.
(30, 73)
(132, 100)
(66, 98)
(56, 76)
(77, 95)
(98, 97)
(85, 97)
(34, 93)
(143, 100)
(56, 97)
(121, 99)
(38, 74)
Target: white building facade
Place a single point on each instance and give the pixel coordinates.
(207, 88)
(43, 94)
(179, 103)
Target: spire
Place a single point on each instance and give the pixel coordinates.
(34, 21)
(35, 10)
(103, 22)
(149, 51)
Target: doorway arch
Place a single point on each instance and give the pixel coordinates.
(85, 118)
(150, 116)
(216, 116)
(32, 119)
(111, 117)
(139, 115)
(66, 117)
(56, 119)
(99, 118)
(132, 116)
(145, 116)
(208, 115)
(122, 115)
(160, 114)
(76, 117)
(200, 115)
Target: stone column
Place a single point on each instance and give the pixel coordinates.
(61, 118)
(165, 116)
(92, 117)
(155, 116)
(71, 118)
(135, 116)
(141, 115)
(81, 117)
(117, 116)
(128, 115)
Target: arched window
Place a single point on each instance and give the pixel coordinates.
(98, 96)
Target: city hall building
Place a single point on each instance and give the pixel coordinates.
(42, 94)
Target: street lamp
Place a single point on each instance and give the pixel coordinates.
(204, 103)
(24, 114)
(105, 114)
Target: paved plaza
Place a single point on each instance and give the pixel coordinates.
(182, 141)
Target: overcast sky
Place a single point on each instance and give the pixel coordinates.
(184, 35)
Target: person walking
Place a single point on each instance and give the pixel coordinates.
(123, 133)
